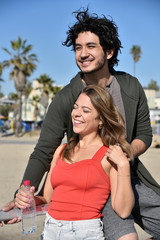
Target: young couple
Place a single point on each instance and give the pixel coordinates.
(96, 44)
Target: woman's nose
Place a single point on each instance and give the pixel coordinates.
(76, 112)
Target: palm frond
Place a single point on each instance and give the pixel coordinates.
(27, 49)
(7, 51)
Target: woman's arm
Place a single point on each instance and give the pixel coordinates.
(122, 196)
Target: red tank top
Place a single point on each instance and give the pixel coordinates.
(80, 189)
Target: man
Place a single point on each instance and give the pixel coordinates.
(96, 45)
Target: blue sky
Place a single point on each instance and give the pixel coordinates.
(43, 23)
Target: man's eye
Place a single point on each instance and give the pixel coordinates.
(77, 48)
(91, 46)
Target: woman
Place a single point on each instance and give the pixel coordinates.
(86, 170)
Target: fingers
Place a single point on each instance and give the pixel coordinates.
(127, 157)
(115, 154)
(8, 206)
(113, 149)
(12, 221)
(23, 199)
(32, 189)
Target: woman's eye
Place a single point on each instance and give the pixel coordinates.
(85, 111)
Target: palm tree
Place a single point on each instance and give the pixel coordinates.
(136, 54)
(153, 85)
(44, 101)
(47, 82)
(1, 94)
(27, 91)
(13, 96)
(23, 64)
(1, 68)
(35, 101)
(55, 89)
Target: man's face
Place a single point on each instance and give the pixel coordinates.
(89, 54)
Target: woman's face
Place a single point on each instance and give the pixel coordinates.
(84, 116)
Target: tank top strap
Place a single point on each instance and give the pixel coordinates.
(100, 153)
(59, 155)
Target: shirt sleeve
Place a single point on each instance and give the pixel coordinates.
(143, 130)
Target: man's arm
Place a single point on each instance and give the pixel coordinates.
(52, 133)
(136, 111)
(138, 147)
(142, 131)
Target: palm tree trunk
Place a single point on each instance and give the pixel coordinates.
(25, 111)
(134, 69)
(19, 120)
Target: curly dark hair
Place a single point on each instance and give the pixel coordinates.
(105, 29)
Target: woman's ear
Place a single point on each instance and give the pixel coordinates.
(100, 124)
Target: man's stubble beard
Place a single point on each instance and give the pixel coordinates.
(99, 66)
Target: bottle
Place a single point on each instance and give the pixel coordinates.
(28, 214)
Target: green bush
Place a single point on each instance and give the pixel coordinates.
(5, 109)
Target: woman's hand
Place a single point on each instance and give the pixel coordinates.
(23, 198)
(122, 195)
(116, 155)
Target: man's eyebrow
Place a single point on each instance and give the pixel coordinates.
(92, 43)
(89, 43)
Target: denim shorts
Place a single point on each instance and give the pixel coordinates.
(72, 230)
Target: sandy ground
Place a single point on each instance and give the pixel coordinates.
(14, 154)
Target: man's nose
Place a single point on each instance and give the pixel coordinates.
(84, 52)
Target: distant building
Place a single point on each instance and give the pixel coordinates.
(153, 99)
(32, 109)
(29, 105)
(155, 120)
(157, 99)
(151, 96)
(5, 100)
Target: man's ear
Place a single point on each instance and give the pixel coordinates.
(110, 53)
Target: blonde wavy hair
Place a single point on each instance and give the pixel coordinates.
(112, 131)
